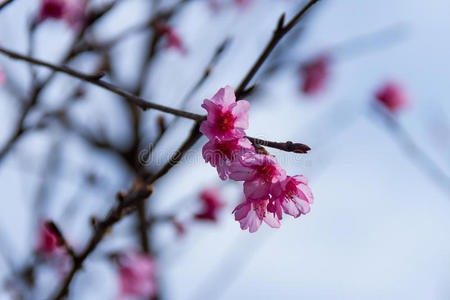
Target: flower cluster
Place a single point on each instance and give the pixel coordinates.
(268, 190)
(137, 275)
(71, 11)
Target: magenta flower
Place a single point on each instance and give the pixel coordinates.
(212, 204)
(292, 195)
(52, 9)
(392, 96)
(173, 40)
(259, 172)
(48, 241)
(250, 215)
(72, 11)
(227, 119)
(221, 153)
(137, 275)
(315, 74)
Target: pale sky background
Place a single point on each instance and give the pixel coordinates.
(379, 227)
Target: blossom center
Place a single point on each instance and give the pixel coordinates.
(226, 121)
(267, 171)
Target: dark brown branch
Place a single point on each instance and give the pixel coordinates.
(126, 205)
(286, 146)
(4, 3)
(108, 86)
(279, 33)
(62, 242)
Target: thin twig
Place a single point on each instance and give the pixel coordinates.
(94, 79)
(414, 151)
(4, 3)
(278, 34)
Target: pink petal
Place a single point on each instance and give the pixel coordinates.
(240, 110)
(242, 210)
(239, 172)
(272, 221)
(256, 189)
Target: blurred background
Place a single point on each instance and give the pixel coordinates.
(379, 227)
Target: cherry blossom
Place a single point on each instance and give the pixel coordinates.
(221, 153)
(250, 215)
(137, 275)
(292, 196)
(259, 172)
(392, 96)
(315, 74)
(212, 204)
(48, 240)
(71, 11)
(227, 119)
(173, 40)
(52, 9)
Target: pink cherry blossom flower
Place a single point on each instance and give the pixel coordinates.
(137, 275)
(315, 74)
(392, 96)
(2, 77)
(173, 40)
(52, 9)
(250, 215)
(48, 241)
(221, 153)
(227, 119)
(259, 172)
(292, 195)
(212, 204)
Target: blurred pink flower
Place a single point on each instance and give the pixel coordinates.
(212, 204)
(75, 15)
(259, 172)
(392, 96)
(243, 3)
(250, 215)
(2, 77)
(173, 40)
(48, 241)
(315, 74)
(137, 275)
(227, 119)
(221, 153)
(72, 11)
(292, 195)
(52, 9)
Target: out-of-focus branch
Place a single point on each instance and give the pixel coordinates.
(61, 239)
(280, 31)
(137, 100)
(417, 155)
(5, 3)
(126, 205)
(95, 79)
